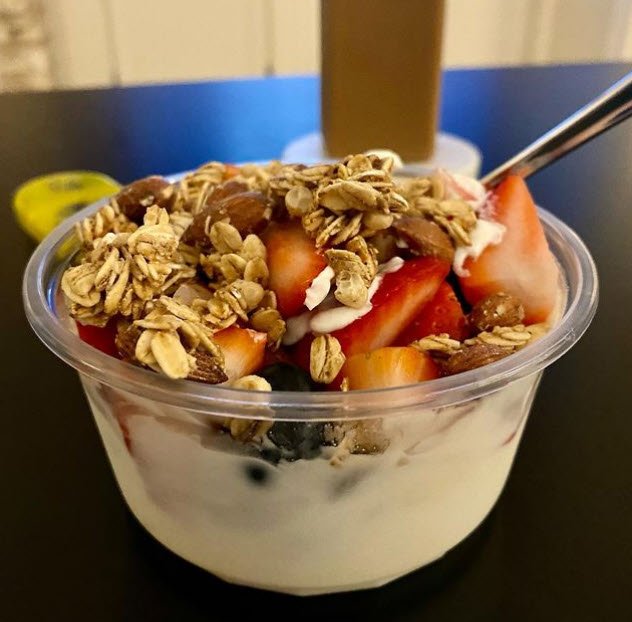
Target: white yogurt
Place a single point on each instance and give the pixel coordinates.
(332, 316)
(334, 319)
(466, 188)
(392, 265)
(316, 528)
(484, 234)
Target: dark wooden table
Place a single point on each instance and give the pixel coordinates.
(558, 544)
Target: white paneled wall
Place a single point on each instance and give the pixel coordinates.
(168, 41)
(513, 32)
(104, 42)
(585, 28)
(80, 42)
(484, 32)
(295, 36)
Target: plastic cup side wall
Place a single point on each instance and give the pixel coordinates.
(316, 527)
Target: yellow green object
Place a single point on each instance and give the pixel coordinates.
(41, 203)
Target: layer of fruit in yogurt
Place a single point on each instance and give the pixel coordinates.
(306, 278)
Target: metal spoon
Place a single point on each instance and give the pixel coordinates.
(610, 108)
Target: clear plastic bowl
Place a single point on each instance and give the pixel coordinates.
(315, 525)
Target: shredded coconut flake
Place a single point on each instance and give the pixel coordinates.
(339, 317)
(318, 290)
(296, 328)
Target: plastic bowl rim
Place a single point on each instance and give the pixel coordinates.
(580, 309)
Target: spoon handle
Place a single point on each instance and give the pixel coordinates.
(610, 108)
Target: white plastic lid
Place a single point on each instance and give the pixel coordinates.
(452, 153)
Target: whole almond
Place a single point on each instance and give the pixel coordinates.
(127, 335)
(248, 212)
(207, 368)
(496, 310)
(425, 238)
(135, 198)
(472, 357)
(225, 190)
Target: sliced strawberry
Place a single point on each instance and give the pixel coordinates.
(243, 350)
(293, 262)
(281, 355)
(443, 314)
(101, 338)
(400, 298)
(122, 410)
(388, 367)
(301, 351)
(522, 264)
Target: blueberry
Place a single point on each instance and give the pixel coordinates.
(271, 455)
(287, 377)
(257, 474)
(297, 439)
(293, 440)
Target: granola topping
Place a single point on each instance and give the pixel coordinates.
(194, 188)
(108, 219)
(181, 323)
(427, 198)
(247, 430)
(438, 345)
(125, 271)
(338, 202)
(199, 286)
(174, 264)
(271, 322)
(299, 201)
(351, 289)
(326, 359)
(252, 383)
(514, 337)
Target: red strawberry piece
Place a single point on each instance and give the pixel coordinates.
(122, 410)
(281, 355)
(522, 264)
(100, 337)
(388, 367)
(301, 352)
(293, 261)
(243, 349)
(400, 298)
(443, 314)
(510, 438)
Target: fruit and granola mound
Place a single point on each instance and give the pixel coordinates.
(303, 278)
